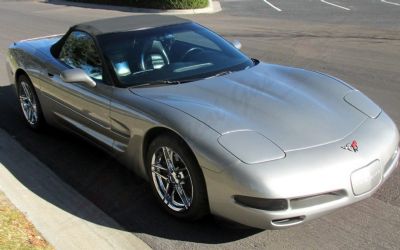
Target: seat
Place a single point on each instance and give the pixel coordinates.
(154, 56)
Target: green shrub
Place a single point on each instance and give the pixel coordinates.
(156, 4)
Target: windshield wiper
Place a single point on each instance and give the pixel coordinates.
(175, 82)
(159, 82)
(202, 78)
(223, 73)
(227, 72)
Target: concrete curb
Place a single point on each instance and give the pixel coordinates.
(65, 218)
(213, 7)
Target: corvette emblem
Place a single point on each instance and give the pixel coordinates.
(353, 146)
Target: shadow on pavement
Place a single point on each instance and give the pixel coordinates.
(110, 186)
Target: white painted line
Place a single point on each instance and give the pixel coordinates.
(384, 1)
(273, 6)
(336, 5)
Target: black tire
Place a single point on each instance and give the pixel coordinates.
(199, 202)
(39, 122)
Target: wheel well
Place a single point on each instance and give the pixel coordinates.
(155, 132)
(18, 73)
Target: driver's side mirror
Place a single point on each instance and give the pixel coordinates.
(237, 44)
(78, 76)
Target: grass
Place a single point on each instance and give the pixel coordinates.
(156, 4)
(16, 232)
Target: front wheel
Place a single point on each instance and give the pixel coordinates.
(29, 103)
(176, 179)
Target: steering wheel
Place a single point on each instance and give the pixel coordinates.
(192, 51)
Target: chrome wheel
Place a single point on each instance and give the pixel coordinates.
(172, 179)
(28, 103)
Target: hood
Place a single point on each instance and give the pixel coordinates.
(294, 108)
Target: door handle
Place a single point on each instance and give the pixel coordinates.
(50, 74)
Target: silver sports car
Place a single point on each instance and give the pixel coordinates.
(212, 130)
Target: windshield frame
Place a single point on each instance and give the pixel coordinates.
(104, 38)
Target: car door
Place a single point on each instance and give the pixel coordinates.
(78, 106)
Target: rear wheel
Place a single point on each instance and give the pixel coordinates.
(29, 103)
(176, 179)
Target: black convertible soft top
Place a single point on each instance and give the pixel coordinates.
(127, 23)
(119, 24)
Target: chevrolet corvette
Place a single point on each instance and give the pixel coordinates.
(211, 129)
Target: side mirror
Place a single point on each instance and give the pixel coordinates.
(77, 75)
(237, 44)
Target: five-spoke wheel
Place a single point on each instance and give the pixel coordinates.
(171, 179)
(29, 102)
(176, 178)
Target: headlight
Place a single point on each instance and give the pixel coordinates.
(250, 147)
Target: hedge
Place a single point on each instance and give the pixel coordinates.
(155, 4)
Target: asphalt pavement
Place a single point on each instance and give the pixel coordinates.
(359, 43)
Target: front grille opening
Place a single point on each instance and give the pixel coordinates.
(314, 200)
(260, 203)
(288, 221)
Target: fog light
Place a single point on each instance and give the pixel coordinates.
(260, 203)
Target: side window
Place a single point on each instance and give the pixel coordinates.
(79, 51)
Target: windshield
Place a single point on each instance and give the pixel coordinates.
(177, 53)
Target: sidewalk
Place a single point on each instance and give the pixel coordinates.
(65, 218)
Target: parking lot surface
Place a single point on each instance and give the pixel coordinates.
(358, 42)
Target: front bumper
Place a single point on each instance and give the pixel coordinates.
(314, 181)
